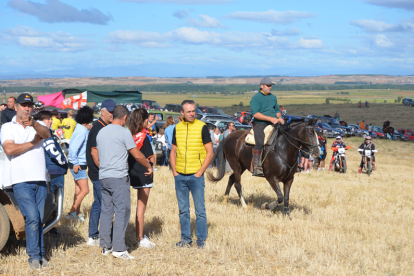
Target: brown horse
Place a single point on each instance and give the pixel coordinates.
(389, 130)
(279, 164)
(343, 123)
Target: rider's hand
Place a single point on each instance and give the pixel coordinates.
(274, 120)
(281, 121)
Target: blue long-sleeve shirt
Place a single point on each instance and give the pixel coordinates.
(77, 147)
(56, 162)
(168, 134)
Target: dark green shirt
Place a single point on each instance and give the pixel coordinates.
(265, 104)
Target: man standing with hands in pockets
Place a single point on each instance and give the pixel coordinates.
(191, 154)
(25, 173)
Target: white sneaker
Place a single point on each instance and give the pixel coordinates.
(145, 243)
(319, 169)
(123, 255)
(93, 241)
(155, 169)
(323, 169)
(106, 251)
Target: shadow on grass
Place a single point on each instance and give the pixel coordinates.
(64, 236)
(152, 228)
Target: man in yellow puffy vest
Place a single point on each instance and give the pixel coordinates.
(191, 154)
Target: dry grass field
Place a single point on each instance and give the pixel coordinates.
(340, 225)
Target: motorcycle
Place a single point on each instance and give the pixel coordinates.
(340, 159)
(367, 159)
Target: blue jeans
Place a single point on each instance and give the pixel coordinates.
(57, 182)
(31, 197)
(95, 214)
(183, 185)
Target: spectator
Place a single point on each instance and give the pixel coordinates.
(139, 181)
(230, 129)
(180, 118)
(56, 123)
(152, 131)
(322, 157)
(370, 129)
(168, 133)
(319, 125)
(161, 138)
(215, 138)
(336, 116)
(3, 106)
(56, 163)
(113, 143)
(92, 160)
(221, 135)
(69, 124)
(25, 173)
(77, 160)
(362, 125)
(305, 160)
(191, 154)
(8, 113)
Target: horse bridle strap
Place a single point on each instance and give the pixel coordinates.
(300, 141)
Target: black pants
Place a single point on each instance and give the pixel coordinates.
(362, 161)
(259, 135)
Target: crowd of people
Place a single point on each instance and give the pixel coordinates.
(117, 153)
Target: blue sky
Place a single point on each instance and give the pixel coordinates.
(198, 38)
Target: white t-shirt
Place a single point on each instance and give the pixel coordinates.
(28, 166)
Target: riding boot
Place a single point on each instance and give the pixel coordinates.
(257, 168)
(373, 166)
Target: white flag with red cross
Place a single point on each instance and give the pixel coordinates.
(75, 102)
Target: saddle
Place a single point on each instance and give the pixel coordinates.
(267, 131)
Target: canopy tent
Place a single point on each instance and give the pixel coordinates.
(99, 96)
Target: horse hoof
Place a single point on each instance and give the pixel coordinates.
(265, 206)
(225, 199)
(273, 205)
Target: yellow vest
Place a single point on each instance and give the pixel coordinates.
(190, 147)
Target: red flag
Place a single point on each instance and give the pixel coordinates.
(75, 102)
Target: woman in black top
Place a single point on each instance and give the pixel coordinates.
(138, 123)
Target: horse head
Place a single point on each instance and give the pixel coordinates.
(306, 135)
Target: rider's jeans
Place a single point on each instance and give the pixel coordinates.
(259, 135)
(183, 185)
(31, 197)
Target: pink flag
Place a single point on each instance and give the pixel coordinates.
(52, 99)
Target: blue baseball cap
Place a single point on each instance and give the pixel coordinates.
(109, 104)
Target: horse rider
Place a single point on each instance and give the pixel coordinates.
(337, 144)
(265, 111)
(367, 145)
(386, 125)
(366, 104)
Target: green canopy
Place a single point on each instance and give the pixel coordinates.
(99, 96)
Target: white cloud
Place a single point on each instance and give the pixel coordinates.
(286, 32)
(182, 14)
(205, 22)
(373, 26)
(271, 16)
(382, 41)
(232, 40)
(184, 2)
(398, 4)
(56, 11)
(27, 37)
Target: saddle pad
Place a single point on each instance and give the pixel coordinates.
(250, 137)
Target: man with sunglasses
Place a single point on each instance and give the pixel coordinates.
(265, 111)
(25, 173)
(92, 159)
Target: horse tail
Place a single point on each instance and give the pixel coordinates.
(221, 164)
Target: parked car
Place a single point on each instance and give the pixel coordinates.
(152, 104)
(209, 117)
(247, 114)
(177, 108)
(378, 131)
(407, 132)
(334, 124)
(332, 132)
(222, 124)
(11, 219)
(407, 101)
(361, 132)
(212, 110)
(162, 115)
(400, 137)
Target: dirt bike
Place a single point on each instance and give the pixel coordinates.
(339, 162)
(367, 159)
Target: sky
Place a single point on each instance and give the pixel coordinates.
(199, 38)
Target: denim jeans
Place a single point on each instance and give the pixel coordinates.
(57, 182)
(95, 214)
(183, 185)
(31, 197)
(168, 157)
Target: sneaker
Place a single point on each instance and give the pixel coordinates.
(106, 251)
(200, 244)
(183, 243)
(323, 169)
(44, 263)
(34, 264)
(155, 169)
(123, 255)
(360, 171)
(319, 169)
(145, 243)
(72, 216)
(81, 218)
(93, 241)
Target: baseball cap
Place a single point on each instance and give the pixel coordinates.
(109, 104)
(266, 81)
(24, 98)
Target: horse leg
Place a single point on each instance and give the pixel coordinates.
(229, 185)
(286, 191)
(238, 186)
(274, 183)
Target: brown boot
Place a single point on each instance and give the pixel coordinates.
(257, 168)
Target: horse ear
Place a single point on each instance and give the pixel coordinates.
(312, 122)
